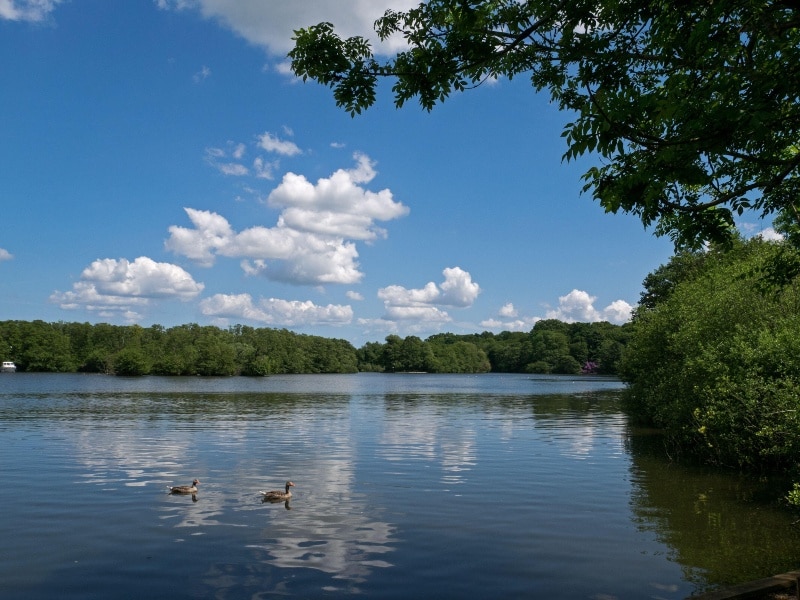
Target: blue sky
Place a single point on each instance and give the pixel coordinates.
(160, 165)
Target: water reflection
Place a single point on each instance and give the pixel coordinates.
(476, 482)
(334, 529)
(722, 528)
(286, 503)
(345, 545)
(243, 438)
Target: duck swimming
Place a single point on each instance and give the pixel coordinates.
(277, 495)
(184, 489)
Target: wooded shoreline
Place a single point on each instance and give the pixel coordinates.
(551, 346)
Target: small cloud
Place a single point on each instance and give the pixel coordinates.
(458, 289)
(272, 143)
(354, 296)
(338, 205)
(264, 169)
(175, 4)
(521, 324)
(33, 11)
(239, 151)
(423, 304)
(285, 68)
(233, 169)
(491, 324)
(508, 311)
(202, 74)
(618, 312)
(578, 306)
(5, 255)
(221, 160)
(274, 311)
(757, 229)
(770, 235)
(575, 306)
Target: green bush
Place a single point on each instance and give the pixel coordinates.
(716, 363)
(131, 361)
(540, 367)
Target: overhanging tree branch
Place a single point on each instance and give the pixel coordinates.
(694, 106)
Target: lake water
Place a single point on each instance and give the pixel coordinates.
(407, 486)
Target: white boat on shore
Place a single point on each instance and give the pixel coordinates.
(8, 367)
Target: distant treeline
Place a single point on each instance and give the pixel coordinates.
(551, 347)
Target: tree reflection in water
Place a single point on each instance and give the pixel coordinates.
(706, 516)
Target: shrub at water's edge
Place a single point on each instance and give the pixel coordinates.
(714, 358)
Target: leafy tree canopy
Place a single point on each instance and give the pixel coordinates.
(693, 107)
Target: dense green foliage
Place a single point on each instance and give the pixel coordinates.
(183, 350)
(552, 347)
(693, 106)
(714, 357)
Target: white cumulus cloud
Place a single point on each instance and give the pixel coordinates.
(296, 257)
(274, 311)
(313, 241)
(618, 312)
(423, 304)
(5, 254)
(458, 289)
(578, 306)
(508, 311)
(769, 234)
(113, 287)
(211, 233)
(337, 205)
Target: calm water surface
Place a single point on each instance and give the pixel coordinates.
(407, 486)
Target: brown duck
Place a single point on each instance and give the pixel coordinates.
(184, 489)
(277, 495)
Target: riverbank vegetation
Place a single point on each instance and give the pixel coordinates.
(551, 347)
(714, 356)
